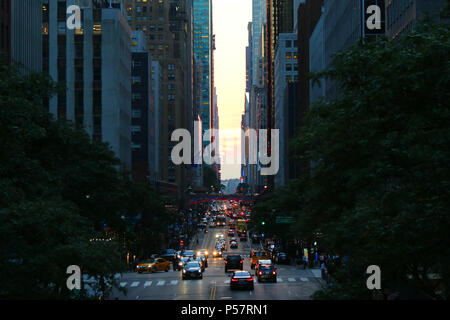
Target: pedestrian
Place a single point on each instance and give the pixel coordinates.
(174, 264)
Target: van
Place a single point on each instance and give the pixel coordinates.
(257, 255)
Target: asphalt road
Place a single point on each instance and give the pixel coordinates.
(293, 283)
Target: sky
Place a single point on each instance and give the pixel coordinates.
(230, 22)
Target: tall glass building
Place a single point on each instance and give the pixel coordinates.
(203, 50)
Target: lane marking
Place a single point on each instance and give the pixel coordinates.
(280, 279)
(291, 279)
(123, 284)
(304, 279)
(147, 283)
(173, 282)
(227, 282)
(134, 284)
(160, 283)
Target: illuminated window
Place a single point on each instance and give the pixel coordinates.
(97, 28)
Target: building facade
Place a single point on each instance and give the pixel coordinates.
(285, 72)
(26, 38)
(203, 52)
(94, 63)
(167, 27)
(143, 115)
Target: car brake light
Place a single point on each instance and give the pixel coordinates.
(251, 279)
(234, 279)
(274, 272)
(241, 261)
(260, 272)
(226, 261)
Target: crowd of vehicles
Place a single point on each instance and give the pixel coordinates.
(192, 264)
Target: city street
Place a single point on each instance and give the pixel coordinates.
(293, 283)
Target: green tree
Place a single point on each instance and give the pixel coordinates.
(378, 187)
(58, 189)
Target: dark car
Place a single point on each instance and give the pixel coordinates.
(243, 237)
(233, 240)
(267, 272)
(168, 254)
(282, 258)
(233, 245)
(192, 269)
(241, 280)
(234, 261)
(230, 233)
(181, 262)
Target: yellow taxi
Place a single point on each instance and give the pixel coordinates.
(153, 265)
(257, 255)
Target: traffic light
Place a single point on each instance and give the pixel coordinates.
(263, 223)
(181, 243)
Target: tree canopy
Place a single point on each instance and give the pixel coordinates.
(378, 187)
(58, 190)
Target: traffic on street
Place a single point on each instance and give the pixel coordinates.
(219, 264)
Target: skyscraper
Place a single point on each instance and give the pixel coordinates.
(94, 63)
(143, 113)
(203, 52)
(167, 27)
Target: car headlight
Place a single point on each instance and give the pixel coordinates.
(184, 270)
(180, 263)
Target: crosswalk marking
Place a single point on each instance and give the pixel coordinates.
(304, 279)
(227, 281)
(173, 282)
(160, 283)
(134, 284)
(123, 284)
(280, 279)
(147, 283)
(291, 279)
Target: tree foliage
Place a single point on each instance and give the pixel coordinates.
(58, 190)
(378, 187)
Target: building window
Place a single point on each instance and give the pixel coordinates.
(135, 129)
(136, 114)
(136, 80)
